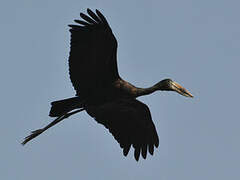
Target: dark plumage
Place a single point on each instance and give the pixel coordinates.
(100, 91)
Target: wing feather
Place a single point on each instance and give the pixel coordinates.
(92, 60)
(93, 15)
(88, 19)
(130, 122)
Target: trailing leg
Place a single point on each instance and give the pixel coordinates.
(40, 131)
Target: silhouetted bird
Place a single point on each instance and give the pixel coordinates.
(100, 90)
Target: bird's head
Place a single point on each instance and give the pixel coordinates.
(170, 85)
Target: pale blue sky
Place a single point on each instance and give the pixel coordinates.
(196, 43)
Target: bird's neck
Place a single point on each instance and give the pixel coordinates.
(146, 91)
(133, 91)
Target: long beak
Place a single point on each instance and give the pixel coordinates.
(181, 90)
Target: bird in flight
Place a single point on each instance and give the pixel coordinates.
(102, 93)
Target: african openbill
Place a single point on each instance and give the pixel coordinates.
(102, 93)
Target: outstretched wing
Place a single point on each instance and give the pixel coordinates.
(92, 61)
(130, 122)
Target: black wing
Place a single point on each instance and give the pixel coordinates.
(92, 61)
(130, 122)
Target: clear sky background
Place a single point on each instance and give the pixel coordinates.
(196, 43)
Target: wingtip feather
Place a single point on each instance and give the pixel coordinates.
(126, 150)
(137, 153)
(151, 149)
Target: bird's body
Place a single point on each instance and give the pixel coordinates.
(100, 90)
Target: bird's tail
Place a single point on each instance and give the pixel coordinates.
(61, 107)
